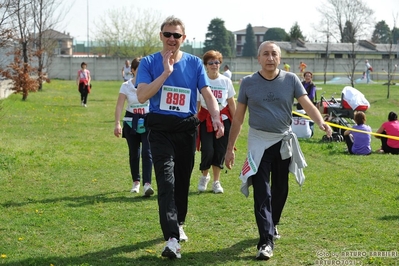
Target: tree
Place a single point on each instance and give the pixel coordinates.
(296, 33)
(395, 35)
(218, 38)
(44, 20)
(276, 34)
(249, 48)
(117, 38)
(232, 44)
(381, 33)
(340, 12)
(6, 12)
(349, 33)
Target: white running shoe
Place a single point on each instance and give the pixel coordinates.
(148, 191)
(183, 236)
(172, 249)
(265, 252)
(217, 187)
(203, 183)
(136, 187)
(276, 234)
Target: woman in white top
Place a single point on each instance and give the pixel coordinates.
(213, 149)
(134, 132)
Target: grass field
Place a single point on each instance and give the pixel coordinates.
(65, 200)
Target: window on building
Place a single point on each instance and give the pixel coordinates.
(351, 55)
(385, 56)
(338, 56)
(323, 55)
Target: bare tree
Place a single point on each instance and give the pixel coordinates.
(350, 20)
(6, 11)
(356, 12)
(391, 68)
(45, 19)
(121, 39)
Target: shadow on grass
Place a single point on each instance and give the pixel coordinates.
(390, 218)
(117, 256)
(81, 201)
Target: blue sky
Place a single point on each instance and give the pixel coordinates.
(236, 14)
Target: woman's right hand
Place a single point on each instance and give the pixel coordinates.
(118, 131)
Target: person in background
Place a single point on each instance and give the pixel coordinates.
(286, 67)
(213, 149)
(126, 71)
(302, 127)
(391, 128)
(273, 149)
(309, 87)
(227, 71)
(171, 79)
(134, 132)
(358, 143)
(302, 67)
(83, 81)
(368, 70)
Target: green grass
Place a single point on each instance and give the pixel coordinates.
(65, 200)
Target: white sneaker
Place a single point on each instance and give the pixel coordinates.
(183, 236)
(172, 249)
(82, 103)
(203, 183)
(136, 187)
(85, 105)
(148, 191)
(265, 252)
(217, 187)
(276, 234)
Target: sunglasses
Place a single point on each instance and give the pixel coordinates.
(213, 62)
(175, 35)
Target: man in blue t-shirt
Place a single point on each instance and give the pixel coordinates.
(171, 79)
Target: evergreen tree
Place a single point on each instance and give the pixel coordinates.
(276, 34)
(381, 33)
(218, 38)
(295, 32)
(249, 45)
(349, 33)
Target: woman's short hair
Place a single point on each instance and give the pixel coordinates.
(360, 117)
(212, 54)
(392, 116)
(83, 64)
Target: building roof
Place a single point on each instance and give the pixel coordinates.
(258, 30)
(360, 47)
(50, 33)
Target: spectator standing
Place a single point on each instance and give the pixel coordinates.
(171, 79)
(287, 67)
(269, 95)
(358, 143)
(134, 132)
(302, 67)
(391, 128)
(126, 71)
(227, 71)
(83, 80)
(213, 149)
(368, 70)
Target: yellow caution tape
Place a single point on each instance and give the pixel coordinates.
(351, 129)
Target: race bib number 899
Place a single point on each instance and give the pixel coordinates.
(175, 99)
